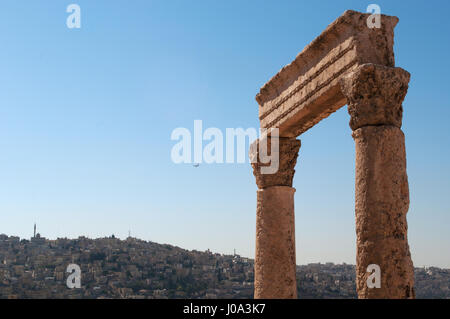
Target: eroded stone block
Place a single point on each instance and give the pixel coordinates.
(375, 94)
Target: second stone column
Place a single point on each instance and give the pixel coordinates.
(275, 262)
(374, 96)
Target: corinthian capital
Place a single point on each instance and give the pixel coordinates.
(375, 94)
(285, 156)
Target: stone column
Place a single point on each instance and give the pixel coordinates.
(275, 266)
(374, 96)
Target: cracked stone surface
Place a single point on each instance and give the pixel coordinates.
(381, 205)
(275, 267)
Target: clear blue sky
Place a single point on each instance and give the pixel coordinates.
(86, 117)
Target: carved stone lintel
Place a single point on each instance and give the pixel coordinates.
(375, 94)
(286, 157)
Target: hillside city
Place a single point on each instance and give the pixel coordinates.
(137, 269)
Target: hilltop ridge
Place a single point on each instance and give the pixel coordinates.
(134, 268)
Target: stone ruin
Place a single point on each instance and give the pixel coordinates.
(349, 63)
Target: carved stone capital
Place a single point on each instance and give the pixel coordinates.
(285, 156)
(375, 94)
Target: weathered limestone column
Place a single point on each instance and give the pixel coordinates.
(375, 94)
(275, 266)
